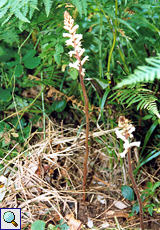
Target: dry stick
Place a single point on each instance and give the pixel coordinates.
(136, 189)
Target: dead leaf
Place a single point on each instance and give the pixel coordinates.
(120, 205)
(73, 223)
(112, 214)
(7, 138)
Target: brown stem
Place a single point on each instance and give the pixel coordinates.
(87, 135)
(87, 127)
(136, 189)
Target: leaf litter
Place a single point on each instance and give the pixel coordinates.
(45, 180)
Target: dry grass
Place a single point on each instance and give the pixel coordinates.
(31, 187)
(45, 179)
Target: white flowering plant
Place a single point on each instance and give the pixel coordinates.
(125, 133)
(75, 42)
(77, 52)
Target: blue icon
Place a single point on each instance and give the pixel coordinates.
(9, 217)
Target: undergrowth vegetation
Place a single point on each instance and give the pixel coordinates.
(43, 112)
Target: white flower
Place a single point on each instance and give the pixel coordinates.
(83, 72)
(67, 35)
(126, 144)
(84, 60)
(81, 52)
(136, 143)
(75, 41)
(123, 153)
(70, 42)
(74, 65)
(71, 53)
(78, 39)
(132, 129)
(119, 135)
(74, 29)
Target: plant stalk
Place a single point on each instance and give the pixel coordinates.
(136, 189)
(87, 135)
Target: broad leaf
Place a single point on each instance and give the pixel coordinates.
(127, 192)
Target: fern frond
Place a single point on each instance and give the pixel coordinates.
(143, 97)
(143, 73)
(47, 4)
(81, 6)
(84, 6)
(33, 6)
(9, 35)
(19, 9)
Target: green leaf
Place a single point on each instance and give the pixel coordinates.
(73, 73)
(19, 15)
(4, 94)
(18, 70)
(39, 224)
(60, 106)
(147, 117)
(12, 63)
(150, 210)
(4, 127)
(48, 4)
(128, 25)
(148, 134)
(102, 82)
(127, 192)
(156, 185)
(2, 3)
(149, 184)
(135, 209)
(103, 100)
(145, 22)
(32, 63)
(3, 12)
(29, 54)
(148, 158)
(59, 48)
(57, 58)
(27, 131)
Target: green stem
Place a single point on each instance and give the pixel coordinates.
(100, 48)
(24, 109)
(24, 41)
(114, 38)
(43, 108)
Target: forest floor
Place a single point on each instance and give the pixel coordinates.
(46, 181)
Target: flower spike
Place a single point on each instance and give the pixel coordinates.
(75, 42)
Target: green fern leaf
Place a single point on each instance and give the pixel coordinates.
(33, 6)
(128, 25)
(78, 5)
(84, 6)
(143, 73)
(19, 15)
(3, 12)
(48, 4)
(9, 35)
(143, 97)
(17, 8)
(2, 3)
(7, 19)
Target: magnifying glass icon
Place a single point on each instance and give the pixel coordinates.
(9, 217)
